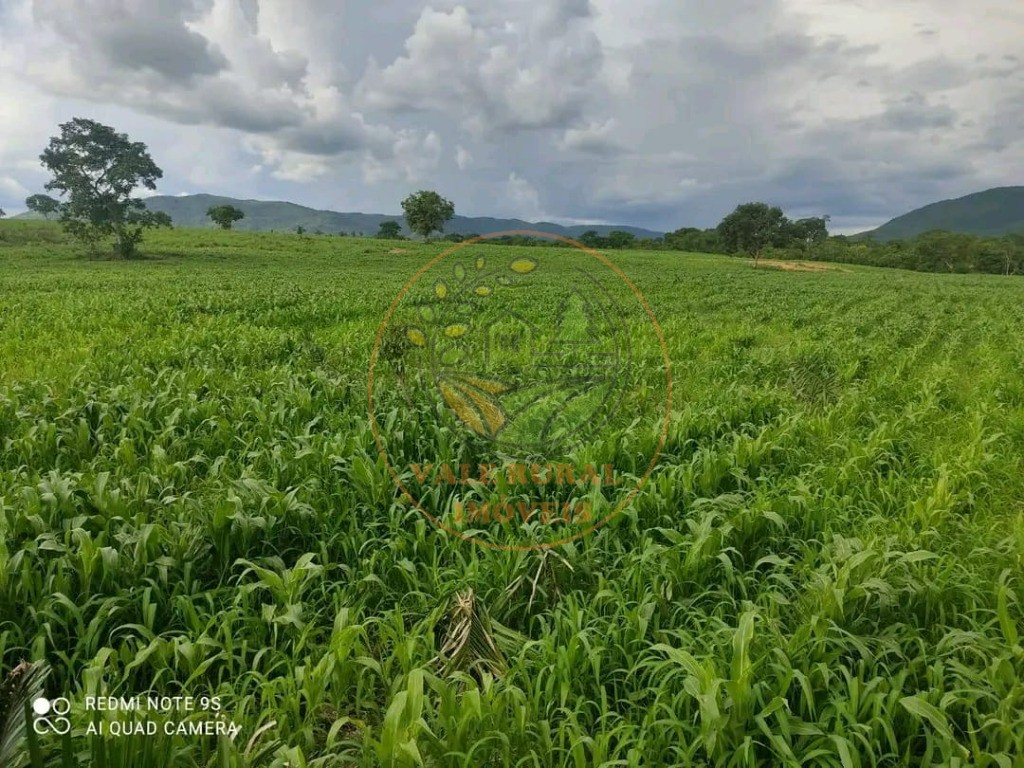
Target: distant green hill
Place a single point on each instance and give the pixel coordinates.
(190, 212)
(993, 212)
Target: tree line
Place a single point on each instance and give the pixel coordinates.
(760, 230)
(392, 230)
(757, 230)
(95, 171)
(936, 251)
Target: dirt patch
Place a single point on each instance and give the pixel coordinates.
(803, 266)
(399, 250)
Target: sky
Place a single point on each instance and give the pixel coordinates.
(652, 113)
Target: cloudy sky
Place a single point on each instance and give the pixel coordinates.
(657, 113)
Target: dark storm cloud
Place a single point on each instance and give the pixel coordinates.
(822, 186)
(1003, 132)
(912, 113)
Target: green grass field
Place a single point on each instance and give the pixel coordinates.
(826, 567)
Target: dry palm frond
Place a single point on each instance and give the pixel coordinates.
(469, 644)
(22, 685)
(545, 576)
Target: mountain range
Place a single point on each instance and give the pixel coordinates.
(190, 211)
(997, 211)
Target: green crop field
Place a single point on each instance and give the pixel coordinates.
(825, 568)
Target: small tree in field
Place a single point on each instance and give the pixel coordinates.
(390, 230)
(751, 228)
(225, 216)
(96, 169)
(2, 213)
(426, 212)
(43, 205)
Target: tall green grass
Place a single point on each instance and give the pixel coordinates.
(825, 569)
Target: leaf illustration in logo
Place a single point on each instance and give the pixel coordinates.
(416, 337)
(524, 266)
(441, 289)
(486, 385)
(474, 402)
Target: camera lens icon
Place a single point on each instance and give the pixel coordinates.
(50, 716)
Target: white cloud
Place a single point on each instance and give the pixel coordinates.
(411, 157)
(663, 113)
(12, 189)
(211, 65)
(596, 137)
(498, 75)
(523, 197)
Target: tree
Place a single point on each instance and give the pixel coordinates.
(300, 230)
(426, 212)
(591, 239)
(807, 233)
(695, 240)
(619, 239)
(161, 219)
(752, 227)
(2, 213)
(96, 169)
(941, 251)
(225, 216)
(1013, 253)
(390, 230)
(995, 256)
(43, 205)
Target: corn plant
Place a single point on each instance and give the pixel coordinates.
(826, 566)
